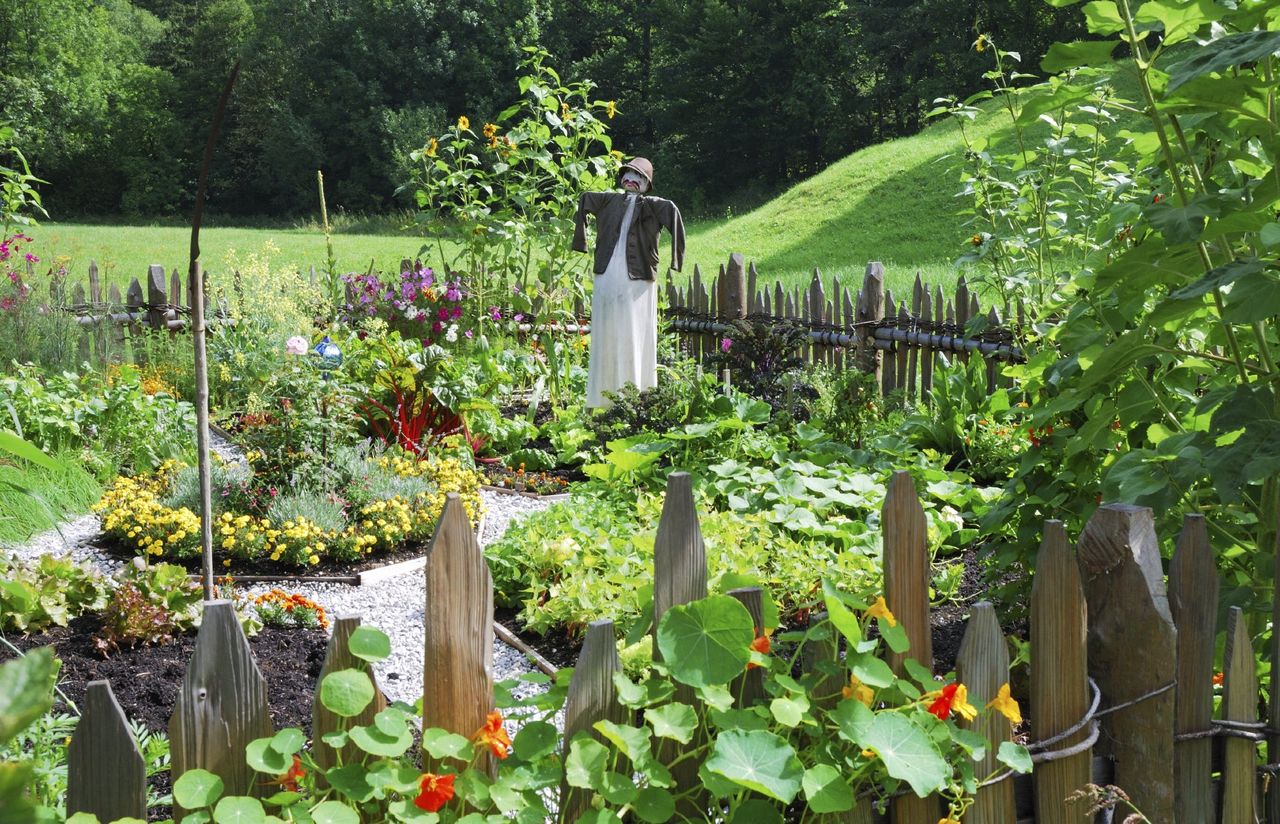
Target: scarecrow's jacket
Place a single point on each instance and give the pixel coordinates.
(652, 214)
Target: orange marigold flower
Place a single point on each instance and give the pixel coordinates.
(493, 735)
(289, 781)
(436, 790)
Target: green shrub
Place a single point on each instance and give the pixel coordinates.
(50, 590)
(324, 509)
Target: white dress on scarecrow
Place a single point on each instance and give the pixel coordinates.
(628, 309)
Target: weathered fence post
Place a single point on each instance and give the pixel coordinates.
(906, 592)
(748, 688)
(106, 775)
(1193, 602)
(1132, 651)
(337, 657)
(222, 705)
(680, 576)
(732, 291)
(156, 296)
(870, 310)
(592, 697)
(457, 680)
(1239, 706)
(983, 667)
(1059, 676)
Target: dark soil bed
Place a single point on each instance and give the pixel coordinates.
(240, 568)
(146, 680)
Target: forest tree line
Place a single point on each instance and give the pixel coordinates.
(732, 99)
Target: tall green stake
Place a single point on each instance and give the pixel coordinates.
(196, 279)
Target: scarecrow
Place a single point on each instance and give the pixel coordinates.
(624, 300)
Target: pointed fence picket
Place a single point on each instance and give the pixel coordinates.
(896, 341)
(1102, 609)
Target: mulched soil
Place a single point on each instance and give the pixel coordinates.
(557, 646)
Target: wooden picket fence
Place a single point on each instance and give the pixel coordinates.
(1121, 686)
(896, 340)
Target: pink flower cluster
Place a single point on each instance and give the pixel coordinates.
(418, 300)
(16, 290)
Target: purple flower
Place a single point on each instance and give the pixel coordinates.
(437, 326)
(725, 343)
(457, 312)
(468, 333)
(495, 313)
(32, 258)
(519, 317)
(453, 293)
(442, 313)
(515, 290)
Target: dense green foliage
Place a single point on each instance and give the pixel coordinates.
(114, 97)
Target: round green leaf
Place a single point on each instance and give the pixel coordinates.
(655, 804)
(369, 644)
(196, 788)
(759, 761)
(907, 751)
(237, 809)
(334, 812)
(346, 692)
(586, 763)
(756, 811)
(673, 720)
(826, 790)
(288, 741)
(441, 744)
(618, 788)
(534, 740)
(706, 642)
(260, 755)
(376, 742)
(1014, 756)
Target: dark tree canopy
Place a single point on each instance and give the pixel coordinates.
(734, 99)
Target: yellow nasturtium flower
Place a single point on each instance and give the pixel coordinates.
(881, 611)
(1006, 705)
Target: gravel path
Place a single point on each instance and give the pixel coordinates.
(395, 605)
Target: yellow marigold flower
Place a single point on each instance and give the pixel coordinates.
(227, 562)
(464, 123)
(228, 543)
(880, 611)
(314, 559)
(1005, 704)
(858, 691)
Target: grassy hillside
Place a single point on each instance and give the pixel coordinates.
(894, 202)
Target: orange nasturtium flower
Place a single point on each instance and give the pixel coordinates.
(493, 734)
(881, 611)
(858, 691)
(1006, 705)
(464, 123)
(289, 781)
(952, 697)
(436, 790)
(761, 644)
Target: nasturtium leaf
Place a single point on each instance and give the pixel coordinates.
(238, 809)
(826, 790)
(334, 812)
(1014, 756)
(618, 788)
(907, 751)
(1063, 56)
(715, 696)
(82, 818)
(675, 720)
(336, 739)
(441, 744)
(756, 811)
(261, 757)
(971, 742)
(591, 816)
(633, 742)
(895, 636)
(351, 780)
(404, 810)
(719, 786)
(197, 817)
(707, 641)
(507, 798)
(757, 760)
(196, 788)
(853, 719)
(346, 692)
(281, 799)
(654, 804)
(376, 742)
(737, 720)
(788, 712)
(391, 721)
(871, 670)
(534, 740)
(918, 672)
(288, 741)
